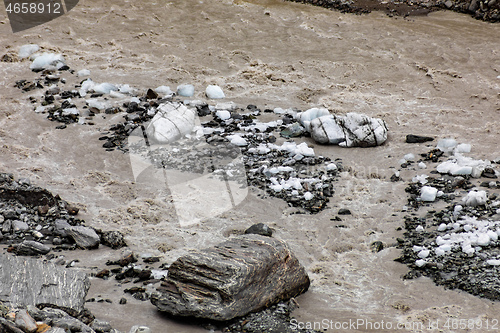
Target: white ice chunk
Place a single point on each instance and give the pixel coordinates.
(422, 179)
(47, 61)
(164, 90)
(420, 262)
(483, 239)
(70, 111)
(422, 165)
(351, 130)
(442, 227)
(26, 50)
(237, 140)
(419, 228)
(493, 262)
(423, 254)
(214, 92)
(104, 88)
(223, 114)
(446, 145)
(307, 116)
(186, 90)
(428, 193)
(171, 122)
(308, 196)
(475, 198)
(95, 103)
(83, 72)
(331, 167)
(463, 148)
(409, 157)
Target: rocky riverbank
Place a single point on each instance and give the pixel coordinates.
(455, 245)
(481, 10)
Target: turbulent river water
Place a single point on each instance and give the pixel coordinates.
(436, 75)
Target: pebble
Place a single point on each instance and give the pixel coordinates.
(25, 322)
(344, 211)
(260, 229)
(140, 329)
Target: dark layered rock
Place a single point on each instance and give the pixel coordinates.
(239, 276)
(410, 138)
(36, 282)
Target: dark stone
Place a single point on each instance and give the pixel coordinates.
(203, 110)
(489, 173)
(260, 229)
(113, 239)
(410, 138)
(31, 248)
(103, 273)
(123, 300)
(244, 274)
(151, 94)
(377, 246)
(344, 211)
(84, 237)
(125, 261)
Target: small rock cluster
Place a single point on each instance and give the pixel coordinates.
(35, 222)
(456, 246)
(52, 319)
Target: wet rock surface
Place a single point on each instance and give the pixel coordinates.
(244, 274)
(36, 282)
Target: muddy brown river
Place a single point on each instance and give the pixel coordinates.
(436, 75)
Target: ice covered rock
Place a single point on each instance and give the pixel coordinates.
(26, 50)
(171, 122)
(47, 61)
(214, 92)
(351, 130)
(428, 193)
(475, 198)
(185, 90)
(306, 117)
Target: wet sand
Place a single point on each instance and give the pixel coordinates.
(432, 75)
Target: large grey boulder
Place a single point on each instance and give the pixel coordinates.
(239, 276)
(26, 281)
(84, 237)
